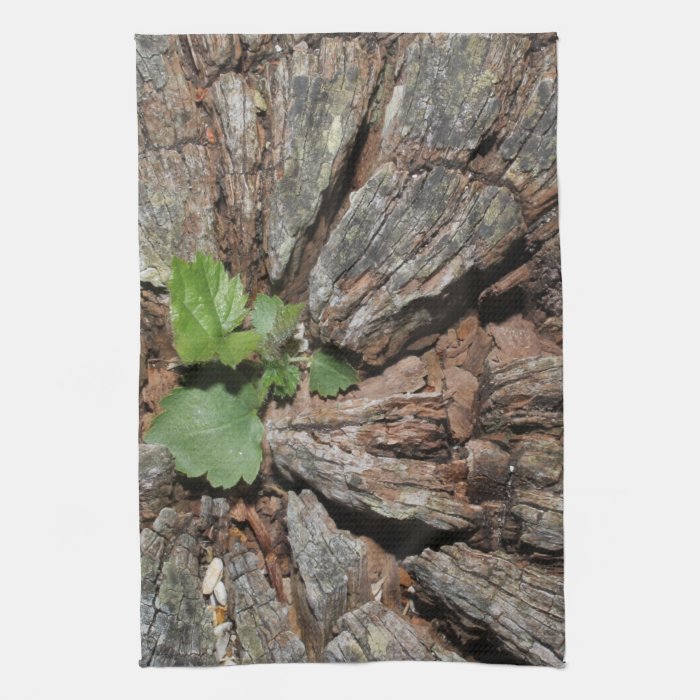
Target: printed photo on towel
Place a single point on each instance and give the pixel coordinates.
(350, 391)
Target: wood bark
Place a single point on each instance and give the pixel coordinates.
(176, 629)
(261, 622)
(330, 570)
(518, 603)
(404, 187)
(388, 456)
(372, 632)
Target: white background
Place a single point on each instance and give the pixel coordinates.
(628, 164)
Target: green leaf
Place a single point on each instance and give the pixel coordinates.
(330, 375)
(213, 431)
(275, 321)
(237, 346)
(206, 305)
(282, 375)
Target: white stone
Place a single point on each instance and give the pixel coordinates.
(377, 587)
(220, 593)
(221, 646)
(215, 571)
(224, 627)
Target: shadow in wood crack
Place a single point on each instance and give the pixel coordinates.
(402, 538)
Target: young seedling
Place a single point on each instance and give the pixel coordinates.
(212, 425)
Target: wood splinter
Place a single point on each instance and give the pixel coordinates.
(250, 515)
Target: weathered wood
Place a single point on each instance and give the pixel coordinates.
(527, 484)
(156, 476)
(523, 154)
(405, 377)
(176, 627)
(182, 622)
(466, 346)
(489, 472)
(523, 394)
(375, 633)
(414, 236)
(404, 186)
(318, 100)
(330, 570)
(462, 392)
(362, 453)
(365, 453)
(537, 459)
(177, 168)
(514, 339)
(449, 94)
(406, 242)
(262, 627)
(535, 523)
(517, 603)
(232, 105)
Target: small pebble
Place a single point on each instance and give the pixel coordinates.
(223, 628)
(302, 342)
(221, 646)
(377, 587)
(220, 593)
(213, 575)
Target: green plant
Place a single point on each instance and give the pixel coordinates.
(239, 354)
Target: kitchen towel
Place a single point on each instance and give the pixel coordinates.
(351, 416)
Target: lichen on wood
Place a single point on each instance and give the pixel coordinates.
(375, 633)
(176, 628)
(404, 187)
(330, 569)
(261, 622)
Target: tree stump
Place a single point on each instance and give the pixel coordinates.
(404, 187)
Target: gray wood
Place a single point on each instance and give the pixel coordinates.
(378, 283)
(156, 476)
(176, 627)
(387, 455)
(330, 569)
(404, 187)
(261, 622)
(516, 602)
(375, 633)
(318, 99)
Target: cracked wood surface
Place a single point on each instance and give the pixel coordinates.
(261, 622)
(426, 225)
(397, 455)
(404, 187)
(318, 99)
(387, 455)
(156, 476)
(406, 243)
(525, 393)
(176, 629)
(375, 633)
(330, 570)
(519, 604)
